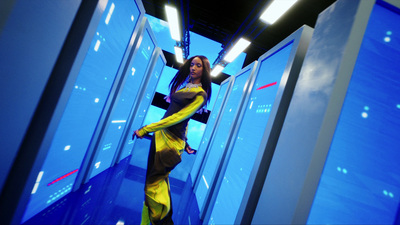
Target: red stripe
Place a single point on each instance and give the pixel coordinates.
(62, 177)
(268, 85)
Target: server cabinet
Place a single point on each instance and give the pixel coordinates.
(335, 161)
(83, 104)
(208, 132)
(143, 106)
(217, 148)
(136, 73)
(260, 122)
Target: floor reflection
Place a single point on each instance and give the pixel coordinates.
(116, 197)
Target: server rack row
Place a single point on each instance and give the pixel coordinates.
(247, 115)
(109, 88)
(314, 139)
(305, 112)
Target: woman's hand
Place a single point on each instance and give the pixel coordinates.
(136, 134)
(189, 150)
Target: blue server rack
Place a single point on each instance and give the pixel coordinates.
(217, 147)
(83, 106)
(259, 124)
(144, 103)
(135, 76)
(336, 160)
(208, 132)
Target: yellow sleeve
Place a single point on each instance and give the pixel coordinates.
(175, 118)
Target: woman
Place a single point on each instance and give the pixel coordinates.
(169, 139)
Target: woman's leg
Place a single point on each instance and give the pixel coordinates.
(145, 215)
(157, 190)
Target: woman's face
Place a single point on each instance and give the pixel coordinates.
(196, 70)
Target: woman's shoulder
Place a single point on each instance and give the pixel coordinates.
(202, 92)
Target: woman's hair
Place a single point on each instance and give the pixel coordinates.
(184, 72)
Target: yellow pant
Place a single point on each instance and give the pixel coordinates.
(165, 154)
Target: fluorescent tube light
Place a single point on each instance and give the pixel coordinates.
(216, 70)
(238, 48)
(110, 13)
(178, 54)
(172, 17)
(276, 10)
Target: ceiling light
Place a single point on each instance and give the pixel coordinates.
(178, 54)
(238, 48)
(275, 10)
(216, 70)
(172, 18)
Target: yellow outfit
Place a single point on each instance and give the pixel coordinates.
(168, 143)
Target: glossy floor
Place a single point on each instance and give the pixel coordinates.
(116, 197)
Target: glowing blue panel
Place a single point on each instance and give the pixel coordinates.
(220, 136)
(249, 137)
(197, 43)
(143, 107)
(162, 33)
(360, 182)
(195, 132)
(84, 106)
(209, 128)
(137, 70)
(166, 77)
(235, 66)
(214, 88)
(154, 114)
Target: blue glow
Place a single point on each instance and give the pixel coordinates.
(220, 136)
(143, 108)
(124, 105)
(219, 97)
(197, 43)
(154, 114)
(166, 77)
(235, 66)
(211, 52)
(84, 107)
(214, 89)
(162, 33)
(248, 139)
(197, 47)
(369, 149)
(195, 132)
